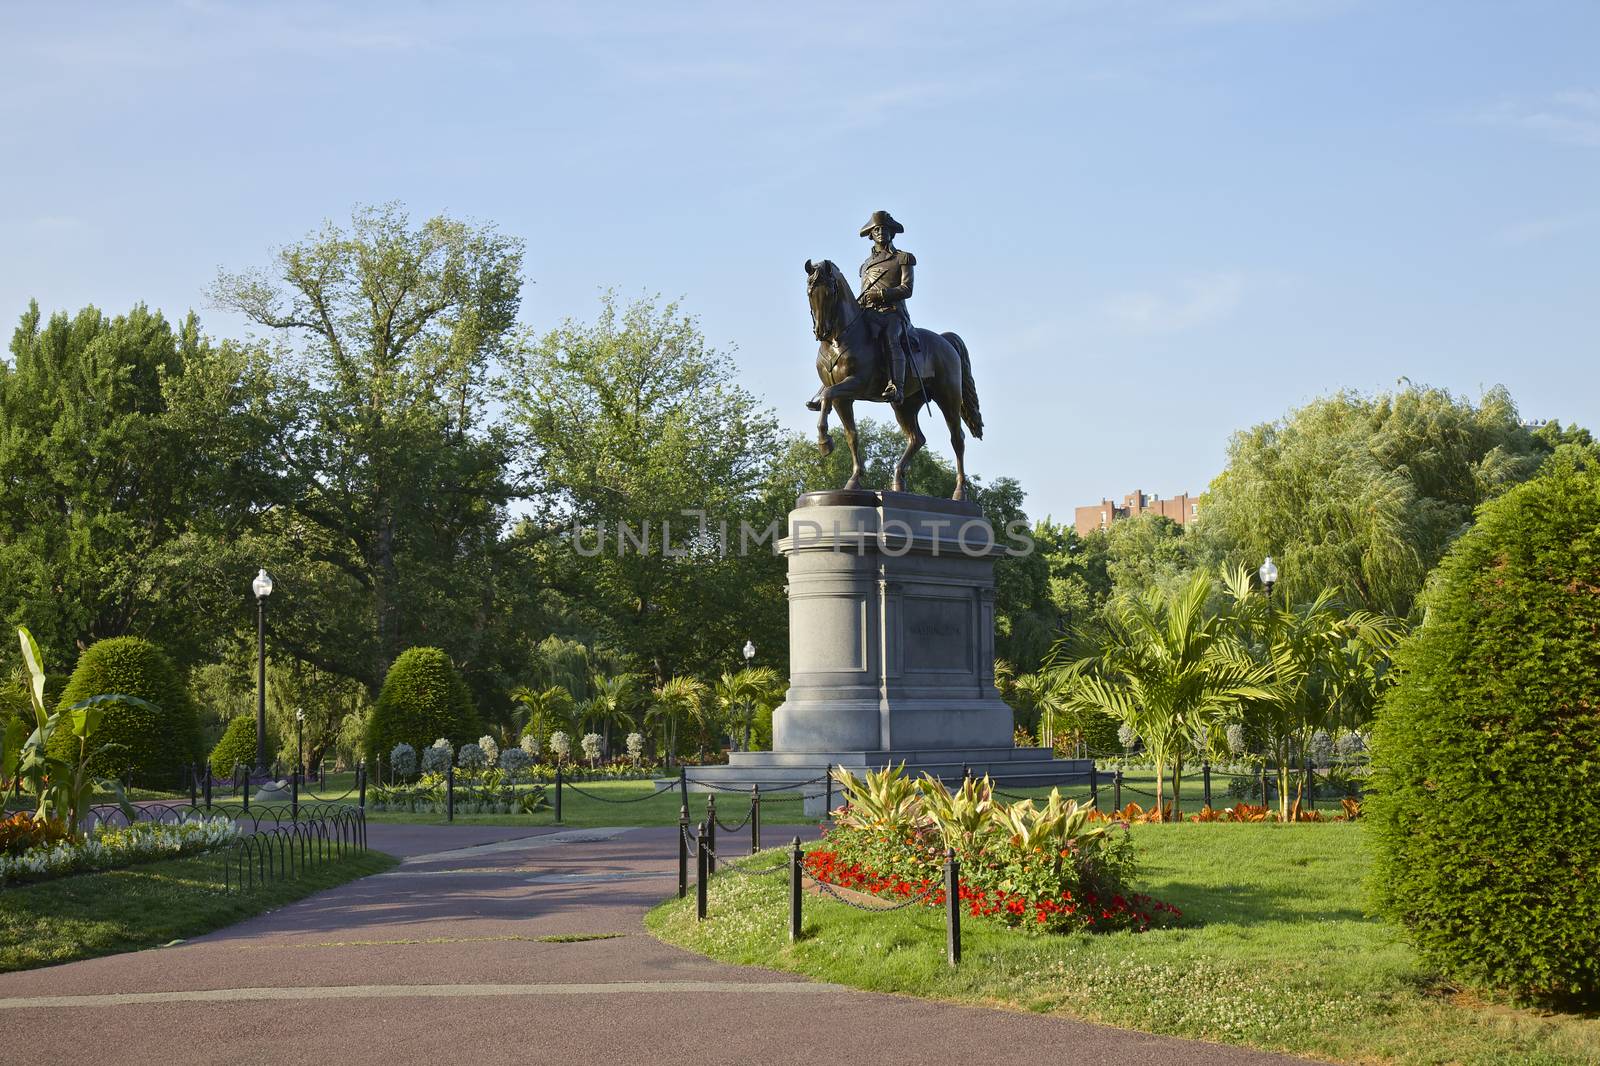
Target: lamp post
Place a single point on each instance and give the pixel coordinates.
(1269, 576)
(749, 710)
(299, 740)
(262, 587)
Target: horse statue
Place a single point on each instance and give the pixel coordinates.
(852, 367)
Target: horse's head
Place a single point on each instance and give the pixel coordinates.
(828, 293)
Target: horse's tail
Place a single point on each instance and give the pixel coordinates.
(970, 413)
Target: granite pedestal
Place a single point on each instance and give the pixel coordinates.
(891, 648)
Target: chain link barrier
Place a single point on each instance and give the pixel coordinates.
(773, 786)
(606, 799)
(725, 866)
(829, 890)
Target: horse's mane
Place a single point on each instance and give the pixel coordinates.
(837, 289)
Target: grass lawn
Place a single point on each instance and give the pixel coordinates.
(1274, 952)
(145, 906)
(630, 803)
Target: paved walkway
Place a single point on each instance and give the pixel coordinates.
(439, 961)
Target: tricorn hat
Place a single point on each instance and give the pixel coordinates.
(884, 219)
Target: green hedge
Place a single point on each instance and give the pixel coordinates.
(1486, 755)
(236, 748)
(423, 698)
(155, 744)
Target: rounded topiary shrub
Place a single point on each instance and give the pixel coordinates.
(155, 745)
(236, 748)
(423, 699)
(1486, 754)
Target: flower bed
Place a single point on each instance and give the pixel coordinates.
(108, 847)
(1053, 869)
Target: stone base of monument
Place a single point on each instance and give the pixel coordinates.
(891, 649)
(273, 792)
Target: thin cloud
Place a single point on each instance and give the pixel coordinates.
(1199, 301)
(1571, 117)
(1539, 229)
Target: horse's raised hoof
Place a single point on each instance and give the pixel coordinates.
(813, 404)
(825, 444)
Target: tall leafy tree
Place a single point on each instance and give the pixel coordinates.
(1364, 494)
(390, 508)
(129, 448)
(640, 430)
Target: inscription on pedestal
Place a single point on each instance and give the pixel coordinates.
(940, 634)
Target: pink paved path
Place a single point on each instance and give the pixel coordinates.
(434, 963)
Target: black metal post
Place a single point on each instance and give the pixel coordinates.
(246, 789)
(1310, 788)
(709, 842)
(952, 907)
(683, 785)
(208, 786)
(1205, 779)
(1116, 789)
(299, 743)
(1094, 786)
(1264, 786)
(702, 874)
(450, 792)
(683, 851)
(261, 684)
(361, 786)
(827, 801)
(755, 819)
(796, 857)
(294, 794)
(194, 785)
(558, 792)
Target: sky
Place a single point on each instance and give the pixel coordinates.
(1154, 223)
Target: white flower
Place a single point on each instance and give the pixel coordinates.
(437, 759)
(591, 746)
(491, 750)
(472, 757)
(1236, 740)
(1126, 736)
(514, 761)
(635, 746)
(530, 744)
(403, 760)
(560, 745)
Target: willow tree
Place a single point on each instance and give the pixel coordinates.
(1365, 493)
(1167, 665)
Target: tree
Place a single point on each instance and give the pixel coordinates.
(393, 494)
(1363, 493)
(1042, 697)
(677, 699)
(544, 710)
(740, 695)
(652, 456)
(128, 450)
(613, 703)
(1325, 666)
(1484, 832)
(1167, 665)
(423, 699)
(1148, 551)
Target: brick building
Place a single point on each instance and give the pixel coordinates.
(1181, 508)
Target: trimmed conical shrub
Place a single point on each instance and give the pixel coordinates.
(423, 699)
(237, 747)
(1485, 756)
(155, 745)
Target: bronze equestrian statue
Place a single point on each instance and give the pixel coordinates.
(870, 351)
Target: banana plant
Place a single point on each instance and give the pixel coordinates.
(63, 786)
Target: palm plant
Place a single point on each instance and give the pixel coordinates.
(677, 699)
(543, 710)
(1326, 667)
(613, 702)
(1044, 696)
(739, 695)
(1165, 665)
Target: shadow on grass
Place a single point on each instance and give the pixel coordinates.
(1250, 904)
